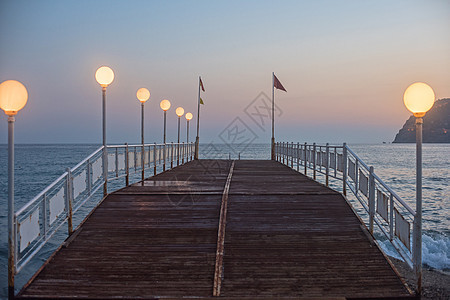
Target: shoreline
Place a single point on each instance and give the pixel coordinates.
(435, 284)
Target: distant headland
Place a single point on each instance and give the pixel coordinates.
(436, 125)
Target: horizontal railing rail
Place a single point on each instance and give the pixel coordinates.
(43, 216)
(381, 206)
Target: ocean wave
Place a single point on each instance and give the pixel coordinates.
(435, 251)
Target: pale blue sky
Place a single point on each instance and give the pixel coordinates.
(345, 65)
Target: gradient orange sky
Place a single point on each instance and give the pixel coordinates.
(345, 65)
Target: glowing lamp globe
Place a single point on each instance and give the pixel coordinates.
(165, 105)
(179, 111)
(189, 116)
(143, 94)
(419, 98)
(104, 76)
(13, 96)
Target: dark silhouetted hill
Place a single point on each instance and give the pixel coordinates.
(436, 125)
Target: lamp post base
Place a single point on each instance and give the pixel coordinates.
(196, 148)
(272, 149)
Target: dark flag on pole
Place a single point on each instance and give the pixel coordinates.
(277, 84)
(201, 84)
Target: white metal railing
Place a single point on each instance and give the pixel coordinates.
(42, 217)
(382, 206)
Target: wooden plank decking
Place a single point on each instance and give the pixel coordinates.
(285, 236)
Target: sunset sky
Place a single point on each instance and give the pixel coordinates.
(345, 65)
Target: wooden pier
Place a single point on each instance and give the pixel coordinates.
(209, 228)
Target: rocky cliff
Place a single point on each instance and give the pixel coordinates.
(436, 125)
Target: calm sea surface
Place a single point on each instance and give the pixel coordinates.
(36, 166)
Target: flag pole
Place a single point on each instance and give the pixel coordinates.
(197, 140)
(273, 119)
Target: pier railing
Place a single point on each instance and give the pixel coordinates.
(382, 208)
(44, 215)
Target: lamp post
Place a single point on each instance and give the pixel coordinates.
(189, 117)
(165, 106)
(418, 98)
(180, 112)
(104, 76)
(143, 95)
(13, 97)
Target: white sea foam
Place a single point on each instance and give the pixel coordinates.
(435, 251)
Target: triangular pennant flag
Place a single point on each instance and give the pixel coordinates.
(201, 85)
(201, 101)
(277, 84)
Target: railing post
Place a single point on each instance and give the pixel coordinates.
(335, 162)
(183, 153)
(117, 162)
(292, 155)
(127, 166)
(148, 157)
(279, 151)
(69, 195)
(44, 215)
(171, 155)
(327, 163)
(276, 152)
(135, 159)
(164, 157)
(288, 154)
(391, 216)
(305, 152)
(288, 149)
(286, 157)
(298, 156)
(89, 176)
(356, 176)
(154, 159)
(371, 199)
(344, 169)
(314, 161)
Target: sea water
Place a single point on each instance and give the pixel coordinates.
(36, 166)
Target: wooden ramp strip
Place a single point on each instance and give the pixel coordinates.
(221, 236)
